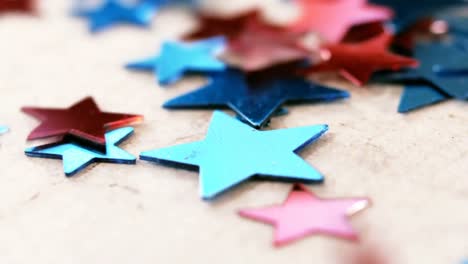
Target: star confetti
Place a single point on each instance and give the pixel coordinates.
(176, 59)
(358, 61)
(24, 6)
(418, 96)
(304, 214)
(113, 12)
(76, 157)
(333, 18)
(3, 129)
(254, 100)
(233, 152)
(83, 120)
(261, 45)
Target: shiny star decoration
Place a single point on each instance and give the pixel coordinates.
(177, 59)
(3, 129)
(418, 96)
(113, 12)
(233, 152)
(255, 101)
(333, 18)
(358, 61)
(83, 120)
(443, 65)
(304, 214)
(76, 157)
(24, 6)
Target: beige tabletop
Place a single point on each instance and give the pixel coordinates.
(414, 167)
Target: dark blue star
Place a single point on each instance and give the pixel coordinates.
(444, 65)
(419, 96)
(254, 103)
(113, 11)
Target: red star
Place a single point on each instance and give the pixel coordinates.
(83, 120)
(304, 214)
(213, 25)
(17, 6)
(358, 61)
(261, 45)
(424, 28)
(333, 18)
(364, 32)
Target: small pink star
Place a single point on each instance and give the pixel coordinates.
(304, 214)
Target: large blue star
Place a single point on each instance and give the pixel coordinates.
(113, 11)
(443, 65)
(176, 59)
(416, 96)
(76, 157)
(233, 152)
(254, 104)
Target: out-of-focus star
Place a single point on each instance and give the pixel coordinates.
(304, 214)
(416, 96)
(233, 152)
(176, 59)
(76, 157)
(3, 129)
(358, 61)
(26, 6)
(333, 18)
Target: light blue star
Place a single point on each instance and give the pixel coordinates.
(176, 59)
(3, 129)
(233, 152)
(113, 11)
(76, 157)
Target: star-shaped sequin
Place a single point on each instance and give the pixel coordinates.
(416, 96)
(304, 214)
(113, 12)
(176, 59)
(233, 152)
(83, 120)
(76, 157)
(255, 101)
(358, 61)
(333, 18)
(27, 6)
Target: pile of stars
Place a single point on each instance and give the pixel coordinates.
(254, 68)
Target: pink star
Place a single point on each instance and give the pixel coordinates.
(303, 214)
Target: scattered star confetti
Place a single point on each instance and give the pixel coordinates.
(233, 152)
(76, 157)
(358, 61)
(113, 12)
(333, 19)
(176, 59)
(303, 214)
(82, 120)
(255, 101)
(419, 96)
(23, 6)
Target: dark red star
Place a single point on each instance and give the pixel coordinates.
(364, 32)
(83, 120)
(215, 25)
(261, 45)
(424, 28)
(333, 18)
(28, 6)
(358, 61)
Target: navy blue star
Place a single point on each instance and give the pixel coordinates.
(113, 11)
(419, 96)
(254, 103)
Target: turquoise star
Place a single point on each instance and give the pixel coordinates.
(176, 59)
(233, 152)
(76, 157)
(113, 11)
(3, 129)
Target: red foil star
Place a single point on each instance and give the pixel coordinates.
(83, 120)
(262, 45)
(304, 214)
(358, 61)
(333, 18)
(215, 25)
(28, 6)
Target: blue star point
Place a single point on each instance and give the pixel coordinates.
(233, 152)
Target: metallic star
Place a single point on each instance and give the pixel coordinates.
(333, 19)
(76, 157)
(419, 96)
(303, 214)
(176, 59)
(113, 11)
(83, 120)
(255, 101)
(233, 152)
(358, 61)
